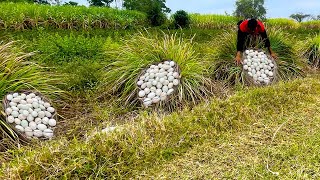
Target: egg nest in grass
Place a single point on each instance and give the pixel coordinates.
(158, 82)
(30, 115)
(260, 67)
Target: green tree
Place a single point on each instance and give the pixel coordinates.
(155, 9)
(100, 2)
(250, 9)
(70, 3)
(181, 19)
(299, 16)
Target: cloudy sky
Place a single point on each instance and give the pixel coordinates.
(275, 8)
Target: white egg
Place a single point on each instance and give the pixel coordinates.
(266, 71)
(28, 131)
(271, 65)
(149, 84)
(163, 96)
(154, 82)
(8, 111)
(37, 133)
(143, 86)
(139, 83)
(151, 95)
(251, 51)
(170, 85)
(250, 74)
(176, 82)
(170, 74)
(46, 105)
(171, 70)
(247, 51)
(52, 122)
(172, 63)
(41, 114)
(249, 69)
(145, 75)
(153, 89)
(147, 91)
(30, 101)
(10, 119)
(262, 71)
(25, 112)
(249, 63)
(152, 66)
(151, 76)
(162, 70)
(147, 102)
(142, 94)
(146, 79)
(253, 71)
(157, 79)
(171, 78)
(38, 120)
(48, 133)
(30, 118)
(50, 109)
(265, 67)
(245, 61)
(19, 128)
(255, 77)
(24, 123)
(166, 67)
(37, 110)
(260, 79)
(22, 117)
(13, 104)
(9, 97)
(270, 73)
(41, 127)
(263, 76)
(34, 114)
(32, 95)
(156, 99)
(258, 73)
(170, 91)
(166, 82)
(48, 114)
(33, 125)
(245, 67)
(165, 89)
(269, 68)
(159, 85)
(252, 67)
(155, 71)
(161, 80)
(15, 95)
(175, 75)
(16, 100)
(158, 92)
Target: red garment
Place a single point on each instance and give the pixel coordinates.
(244, 27)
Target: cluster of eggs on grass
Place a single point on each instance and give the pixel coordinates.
(30, 115)
(158, 82)
(259, 66)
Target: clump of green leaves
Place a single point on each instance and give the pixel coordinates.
(181, 19)
(310, 50)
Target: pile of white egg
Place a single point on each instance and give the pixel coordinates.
(158, 83)
(30, 115)
(258, 66)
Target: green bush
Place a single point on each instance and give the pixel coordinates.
(181, 19)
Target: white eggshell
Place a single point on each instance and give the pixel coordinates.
(154, 83)
(23, 102)
(32, 95)
(170, 91)
(247, 51)
(170, 85)
(38, 120)
(163, 96)
(245, 67)
(147, 102)
(22, 117)
(250, 74)
(33, 125)
(159, 85)
(42, 107)
(156, 99)
(41, 114)
(10, 119)
(8, 111)
(165, 89)
(253, 71)
(34, 113)
(151, 76)
(25, 112)
(37, 110)
(30, 101)
(46, 105)
(14, 108)
(263, 76)
(156, 70)
(171, 70)
(170, 78)
(9, 97)
(151, 95)
(249, 69)
(149, 84)
(13, 104)
(45, 120)
(15, 95)
(142, 94)
(158, 92)
(270, 73)
(41, 127)
(172, 63)
(24, 123)
(30, 110)
(139, 83)
(271, 65)
(17, 120)
(30, 118)
(260, 79)
(19, 128)
(28, 131)
(147, 91)
(153, 89)
(37, 133)
(16, 100)
(170, 74)
(258, 73)
(166, 82)
(175, 75)
(52, 122)
(161, 80)
(255, 77)
(143, 86)
(48, 114)
(176, 82)
(48, 133)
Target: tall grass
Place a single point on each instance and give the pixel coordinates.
(19, 16)
(213, 21)
(16, 74)
(142, 50)
(315, 24)
(310, 50)
(282, 23)
(223, 50)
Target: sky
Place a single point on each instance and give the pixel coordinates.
(275, 8)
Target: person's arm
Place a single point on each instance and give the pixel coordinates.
(267, 44)
(240, 44)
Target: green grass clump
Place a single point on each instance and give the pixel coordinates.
(151, 141)
(224, 49)
(142, 50)
(16, 74)
(283, 23)
(20, 16)
(310, 50)
(213, 21)
(314, 24)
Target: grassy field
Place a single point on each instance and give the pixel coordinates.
(233, 132)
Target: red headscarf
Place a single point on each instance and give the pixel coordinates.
(244, 27)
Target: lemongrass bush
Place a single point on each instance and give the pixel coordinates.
(213, 21)
(314, 24)
(19, 16)
(144, 49)
(222, 51)
(16, 74)
(282, 23)
(310, 50)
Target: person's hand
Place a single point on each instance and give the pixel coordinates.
(238, 59)
(274, 56)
